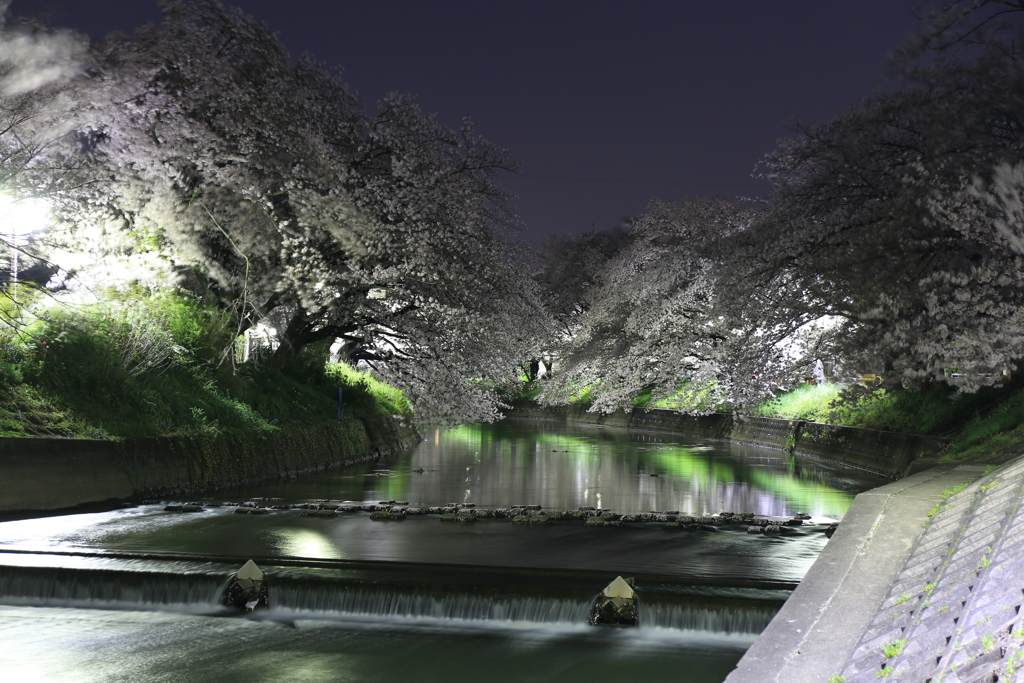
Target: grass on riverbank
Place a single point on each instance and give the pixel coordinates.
(986, 426)
(992, 437)
(935, 410)
(153, 366)
(983, 427)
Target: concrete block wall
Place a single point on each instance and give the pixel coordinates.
(53, 474)
(765, 431)
(890, 453)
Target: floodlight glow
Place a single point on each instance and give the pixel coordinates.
(19, 217)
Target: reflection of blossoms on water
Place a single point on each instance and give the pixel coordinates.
(551, 466)
(566, 466)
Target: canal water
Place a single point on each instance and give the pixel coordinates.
(132, 594)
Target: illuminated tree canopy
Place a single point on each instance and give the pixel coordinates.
(222, 166)
(198, 154)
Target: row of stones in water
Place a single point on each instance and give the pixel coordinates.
(519, 514)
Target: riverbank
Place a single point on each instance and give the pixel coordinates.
(892, 454)
(909, 589)
(47, 474)
(851, 598)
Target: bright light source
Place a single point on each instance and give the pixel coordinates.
(19, 217)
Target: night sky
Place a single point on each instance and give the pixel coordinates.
(606, 104)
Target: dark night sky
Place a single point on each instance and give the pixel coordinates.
(606, 104)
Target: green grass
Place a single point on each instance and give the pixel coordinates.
(365, 394)
(154, 366)
(932, 410)
(952, 491)
(805, 402)
(1001, 430)
(690, 397)
(584, 394)
(643, 399)
(895, 648)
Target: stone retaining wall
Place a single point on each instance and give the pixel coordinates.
(889, 453)
(767, 432)
(51, 474)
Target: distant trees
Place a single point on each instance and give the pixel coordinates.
(258, 182)
(656, 314)
(571, 270)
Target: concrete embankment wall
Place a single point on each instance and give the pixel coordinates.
(889, 453)
(52, 474)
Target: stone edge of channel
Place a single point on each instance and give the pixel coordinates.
(821, 624)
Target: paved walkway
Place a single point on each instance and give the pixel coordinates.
(909, 588)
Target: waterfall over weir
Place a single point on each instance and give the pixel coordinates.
(110, 589)
(299, 597)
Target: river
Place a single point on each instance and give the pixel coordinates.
(132, 594)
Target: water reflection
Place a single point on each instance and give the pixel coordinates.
(525, 462)
(302, 543)
(559, 466)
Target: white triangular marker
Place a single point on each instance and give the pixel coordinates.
(249, 570)
(618, 589)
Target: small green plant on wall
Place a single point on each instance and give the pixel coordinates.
(894, 648)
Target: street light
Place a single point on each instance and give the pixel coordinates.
(18, 218)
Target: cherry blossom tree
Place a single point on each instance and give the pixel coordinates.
(570, 270)
(34, 65)
(878, 219)
(658, 314)
(892, 244)
(259, 182)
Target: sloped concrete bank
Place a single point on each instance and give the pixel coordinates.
(923, 581)
(38, 474)
(889, 453)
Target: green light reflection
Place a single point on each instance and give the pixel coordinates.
(704, 468)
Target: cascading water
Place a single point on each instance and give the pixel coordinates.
(740, 617)
(301, 597)
(375, 601)
(60, 587)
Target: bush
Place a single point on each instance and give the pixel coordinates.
(364, 394)
(14, 356)
(1008, 416)
(699, 398)
(934, 409)
(806, 402)
(149, 364)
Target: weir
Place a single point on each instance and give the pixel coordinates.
(502, 600)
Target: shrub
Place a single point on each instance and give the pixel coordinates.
(805, 402)
(364, 394)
